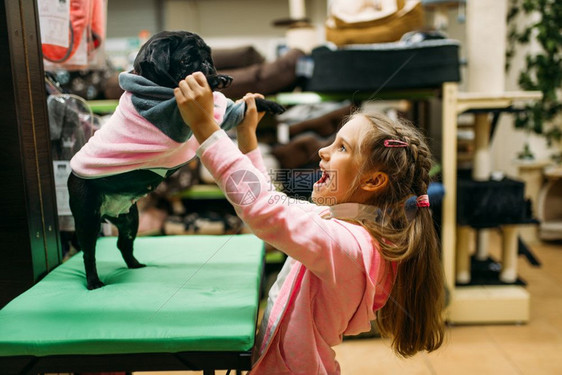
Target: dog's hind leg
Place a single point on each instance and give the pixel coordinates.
(85, 206)
(128, 225)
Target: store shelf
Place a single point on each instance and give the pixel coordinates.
(108, 106)
(103, 106)
(275, 256)
(490, 304)
(202, 192)
(308, 97)
(475, 100)
(475, 304)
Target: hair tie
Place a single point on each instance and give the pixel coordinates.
(422, 201)
(394, 143)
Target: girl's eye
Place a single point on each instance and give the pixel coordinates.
(342, 148)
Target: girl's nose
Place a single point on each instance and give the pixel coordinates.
(323, 153)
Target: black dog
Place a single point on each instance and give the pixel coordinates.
(107, 178)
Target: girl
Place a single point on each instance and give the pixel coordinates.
(358, 255)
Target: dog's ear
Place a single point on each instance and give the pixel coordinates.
(153, 60)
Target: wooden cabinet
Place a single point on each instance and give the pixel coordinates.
(29, 240)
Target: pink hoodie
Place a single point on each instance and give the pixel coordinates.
(333, 280)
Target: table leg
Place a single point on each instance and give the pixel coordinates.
(463, 256)
(481, 172)
(482, 241)
(449, 157)
(482, 161)
(510, 244)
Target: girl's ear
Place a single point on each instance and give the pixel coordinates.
(375, 182)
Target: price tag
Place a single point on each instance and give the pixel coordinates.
(54, 18)
(62, 171)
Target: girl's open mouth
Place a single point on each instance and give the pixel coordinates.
(323, 179)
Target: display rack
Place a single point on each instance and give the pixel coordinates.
(103, 106)
(202, 192)
(476, 304)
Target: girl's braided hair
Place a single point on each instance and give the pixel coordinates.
(413, 314)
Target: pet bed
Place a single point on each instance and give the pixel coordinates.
(489, 204)
(194, 307)
(266, 78)
(371, 67)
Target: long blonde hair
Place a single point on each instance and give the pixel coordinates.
(412, 316)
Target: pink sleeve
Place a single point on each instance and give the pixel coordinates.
(257, 160)
(329, 248)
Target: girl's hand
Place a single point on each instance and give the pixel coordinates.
(196, 106)
(252, 117)
(246, 130)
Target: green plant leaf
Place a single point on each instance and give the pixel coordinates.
(542, 70)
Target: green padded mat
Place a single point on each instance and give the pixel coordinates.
(197, 293)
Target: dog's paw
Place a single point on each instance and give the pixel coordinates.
(264, 105)
(219, 81)
(95, 284)
(135, 264)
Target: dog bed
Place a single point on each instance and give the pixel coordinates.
(489, 204)
(193, 307)
(266, 78)
(371, 67)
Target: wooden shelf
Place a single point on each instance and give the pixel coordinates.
(475, 304)
(475, 100)
(307, 97)
(490, 304)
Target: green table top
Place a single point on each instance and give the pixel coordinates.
(197, 293)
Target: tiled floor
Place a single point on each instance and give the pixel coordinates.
(532, 348)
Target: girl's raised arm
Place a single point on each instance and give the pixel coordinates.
(329, 248)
